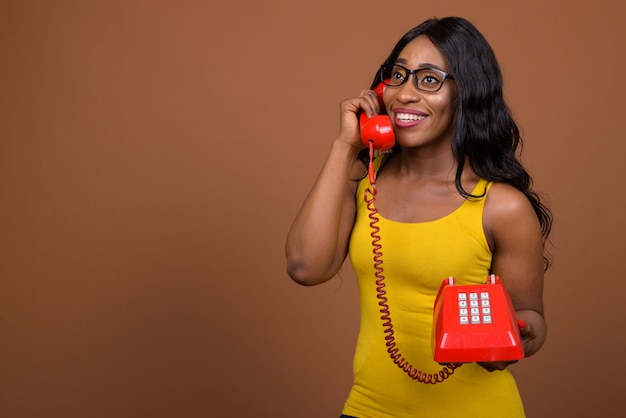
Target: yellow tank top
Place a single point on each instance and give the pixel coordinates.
(416, 258)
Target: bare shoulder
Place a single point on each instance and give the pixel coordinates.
(508, 210)
(358, 170)
(504, 200)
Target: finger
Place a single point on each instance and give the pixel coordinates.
(496, 365)
(369, 102)
(526, 329)
(487, 366)
(452, 364)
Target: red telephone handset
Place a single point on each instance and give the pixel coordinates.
(378, 128)
(475, 323)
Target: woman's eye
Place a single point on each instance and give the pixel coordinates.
(429, 79)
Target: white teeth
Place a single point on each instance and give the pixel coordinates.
(409, 117)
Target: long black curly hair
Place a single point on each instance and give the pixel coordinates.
(485, 134)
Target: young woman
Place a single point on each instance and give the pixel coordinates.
(452, 200)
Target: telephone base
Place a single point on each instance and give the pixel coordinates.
(494, 347)
(475, 323)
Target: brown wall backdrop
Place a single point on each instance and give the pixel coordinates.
(154, 153)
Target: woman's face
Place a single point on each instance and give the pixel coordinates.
(421, 118)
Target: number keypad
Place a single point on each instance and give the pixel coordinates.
(474, 308)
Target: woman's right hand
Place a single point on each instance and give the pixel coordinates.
(349, 126)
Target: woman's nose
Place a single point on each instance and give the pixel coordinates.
(407, 92)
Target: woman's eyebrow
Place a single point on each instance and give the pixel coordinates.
(421, 65)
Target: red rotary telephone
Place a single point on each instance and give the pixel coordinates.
(475, 323)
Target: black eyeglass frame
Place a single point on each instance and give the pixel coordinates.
(387, 69)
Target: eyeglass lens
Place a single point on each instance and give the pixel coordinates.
(427, 79)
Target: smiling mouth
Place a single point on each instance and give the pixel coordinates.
(409, 117)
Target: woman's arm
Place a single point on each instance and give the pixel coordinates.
(317, 243)
(514, 234)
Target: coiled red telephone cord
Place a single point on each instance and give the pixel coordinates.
(392, 349)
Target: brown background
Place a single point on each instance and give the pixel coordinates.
(154, 153)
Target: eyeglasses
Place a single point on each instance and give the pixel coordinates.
(426, 79)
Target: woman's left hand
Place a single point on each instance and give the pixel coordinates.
(528, 334)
